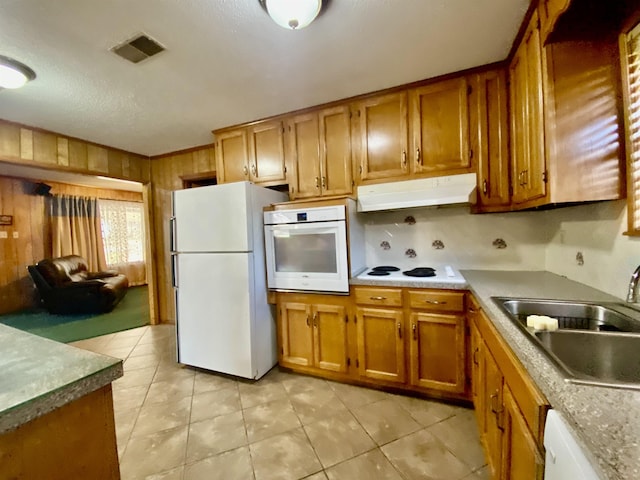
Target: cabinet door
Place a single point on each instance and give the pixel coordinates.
(232, 156)
(477, 375)
(296, 334)
(266, 147)
(330, 337)
(521, 457)
(335, 151)
(527, 118)
(437, 352)
(304, 153)
(440, 126)
(492, 399)
(380, 344)
(493, 136)
(384, 137)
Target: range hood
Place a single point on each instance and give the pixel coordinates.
(424, 192)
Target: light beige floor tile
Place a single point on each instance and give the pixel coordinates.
(158, 332)
(156, 417)
(125, 420)
(173, 474)
(235, 464)
(123, 342)
(143, 361)
(287, 456)
(121, 352)
(135, 378)
(169, 391)
(148, 349)
(317, 476)
(295, 384)
(385, 421)
(91, 344)
(314, 405)
(127, 398)
(215, 403)
(460, 435)
(269, 419)
(369, 466)
(354, 397)
(208, 382)
(154, 453)
(173, 372)
(215, 435)
(420, 455)
(133, 332)
(275, 375)
(427, 412)
(338, 438)
(263, 391)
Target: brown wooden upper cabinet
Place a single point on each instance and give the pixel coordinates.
(254, 153)
(232, 156)
(440, 128)
(550, 11)
(319, 148)
(529, 170)
(383, 129)
(490, 137)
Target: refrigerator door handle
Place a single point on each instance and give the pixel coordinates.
(174, 270)
(172, 234)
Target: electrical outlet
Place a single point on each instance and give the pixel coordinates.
(16, 235)
(3, 234)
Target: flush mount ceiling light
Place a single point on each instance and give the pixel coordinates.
(292, 14)
(14, 74)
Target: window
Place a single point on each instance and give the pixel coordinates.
(630, 55)
(122, 225)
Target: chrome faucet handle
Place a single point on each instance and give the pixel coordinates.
(632, 295)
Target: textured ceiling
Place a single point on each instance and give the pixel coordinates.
(227, 62)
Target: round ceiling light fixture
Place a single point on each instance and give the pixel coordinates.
(293, 14)
(14, 74)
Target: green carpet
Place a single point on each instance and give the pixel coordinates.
(131, 312)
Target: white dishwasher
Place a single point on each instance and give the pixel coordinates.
(564, 458)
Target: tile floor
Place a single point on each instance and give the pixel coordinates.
(179, 423)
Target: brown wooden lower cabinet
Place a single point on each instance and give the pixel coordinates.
(510, 409)
(381, 344)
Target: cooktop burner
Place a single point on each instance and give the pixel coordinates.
(421, 272)
(385, 268)
(378, 273)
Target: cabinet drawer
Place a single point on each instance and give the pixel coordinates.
(437, 300)
(389, 297)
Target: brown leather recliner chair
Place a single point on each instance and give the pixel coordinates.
(66, 286)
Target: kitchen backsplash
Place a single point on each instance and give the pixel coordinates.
(537, 240)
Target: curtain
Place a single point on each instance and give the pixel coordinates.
(123, 234)
(75, 229)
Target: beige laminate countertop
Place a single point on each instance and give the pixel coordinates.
(605, 421)
(38, 375)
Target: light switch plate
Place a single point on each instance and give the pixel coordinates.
(3, 234)
(16, 235)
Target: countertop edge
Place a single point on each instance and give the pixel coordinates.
(378, 282)
(26, 412)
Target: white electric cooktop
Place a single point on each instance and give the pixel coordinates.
(426, 274)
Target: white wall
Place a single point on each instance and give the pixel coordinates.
(595, 230)
(544, 240)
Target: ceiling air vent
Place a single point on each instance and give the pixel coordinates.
(138, 48)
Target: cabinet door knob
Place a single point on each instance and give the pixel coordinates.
(399, 330)
(315, 320)
(485, 187)
(245, 170)
(404, 159)
(414, 329)
(317, 182)
(418, 158)
(308, 320)
(475, 357)
(254, 170)
(324, 182)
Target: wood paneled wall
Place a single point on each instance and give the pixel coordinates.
(29, 238)
(39, 148)
(166, 173)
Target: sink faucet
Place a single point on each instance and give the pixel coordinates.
(632, 296)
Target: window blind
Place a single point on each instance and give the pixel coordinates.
(631, 68)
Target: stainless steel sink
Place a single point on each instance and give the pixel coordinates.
(596, 344)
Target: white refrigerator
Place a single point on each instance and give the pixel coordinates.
(223, 320)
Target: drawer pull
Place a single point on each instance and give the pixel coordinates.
(475, 356)
(399, 330)
(315, 320)
(414, 328)
(435, 302)
(308, 320)
(472, 310)
(377, 298)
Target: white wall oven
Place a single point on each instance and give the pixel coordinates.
(306, 249)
